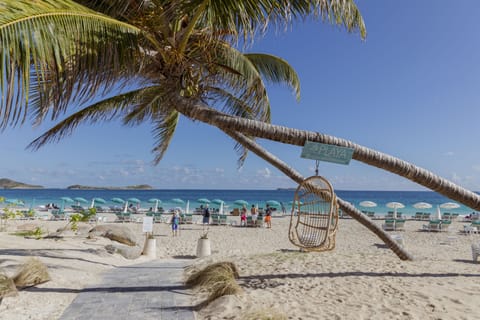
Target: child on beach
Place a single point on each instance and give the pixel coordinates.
(254, 213)
(175, 223)
(268, 217)
(243, 216)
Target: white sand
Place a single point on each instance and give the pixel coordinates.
(360, 279)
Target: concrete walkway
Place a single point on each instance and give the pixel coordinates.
(151, 290)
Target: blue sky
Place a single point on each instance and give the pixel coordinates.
(411, 89)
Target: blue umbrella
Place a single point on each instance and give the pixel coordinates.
(65, 199)
(273, 203)
(177, 201)
(97, 200)
(240, 203)
(218, 201)
(203, 200)
(156, 201)
(133, 200)
(80, 200)
(118, 200)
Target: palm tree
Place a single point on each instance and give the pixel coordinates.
(181, 57)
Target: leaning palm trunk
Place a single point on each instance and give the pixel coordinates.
(298, 137)
(297, 177)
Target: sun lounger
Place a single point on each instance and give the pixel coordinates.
(389, 225)
(123, 216)
(418, 215)
(157, 216)
(186, 218)
(399, 225)
(433, 225)
(426, 216)
(445, 225)
(58, 214)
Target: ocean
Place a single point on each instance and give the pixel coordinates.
(35, 197)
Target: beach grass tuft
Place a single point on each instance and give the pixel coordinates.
(208, 274)
(32, 272)
(7, 287)
(218, 279)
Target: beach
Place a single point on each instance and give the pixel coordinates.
(359, 279)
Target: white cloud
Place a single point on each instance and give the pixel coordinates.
(265, 172)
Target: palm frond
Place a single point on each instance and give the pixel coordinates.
(58, 50)
(164, 128)
(105, 110)
(275, 70)
(244, 18)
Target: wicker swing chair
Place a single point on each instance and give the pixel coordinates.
(314, 217)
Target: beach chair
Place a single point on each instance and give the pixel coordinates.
(389, 225)
(58, 214)
(433, 225)
(186, 218)
(400, 225)
(418, 215)
(371, 214)
(123, 216)
(446, 216)
(215, 219)
(445, 225)
(426, 216)
(389, 215)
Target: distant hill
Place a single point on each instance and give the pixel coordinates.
(10, 184)
(136, 187)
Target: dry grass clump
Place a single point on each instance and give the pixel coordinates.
(7, 287)
(218, 279)
(32, 272)
(208, 274)
(264, 315)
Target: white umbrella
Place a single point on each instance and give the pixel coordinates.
(368, 204)
(187, 208)
(438, 214)
(221, 208)
(449, 205)
(422, 205)
(395, 206)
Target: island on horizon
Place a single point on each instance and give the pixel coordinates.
(11, 184)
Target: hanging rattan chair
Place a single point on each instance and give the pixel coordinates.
(314, 217)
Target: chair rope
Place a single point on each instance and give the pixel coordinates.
(314, 216)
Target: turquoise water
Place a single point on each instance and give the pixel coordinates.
(408, 198)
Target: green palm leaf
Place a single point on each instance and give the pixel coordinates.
(60, 44)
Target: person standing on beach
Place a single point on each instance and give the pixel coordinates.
(243, 216)
(254, 213)
(268, 216)
(206, 215)
(175, 223)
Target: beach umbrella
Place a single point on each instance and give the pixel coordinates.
(217, 201)
(368, 204)
(134, 200)
(80, 200)
(156, 201)
(64, 200)
(273, 203)
(438, 214)
(240, 203)
(221, 208)
(449, 205)
(395, 206)
(97, 200)
(177, 201)
(187, 207)
(422, 205)
(203, 200)
(118, 200)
